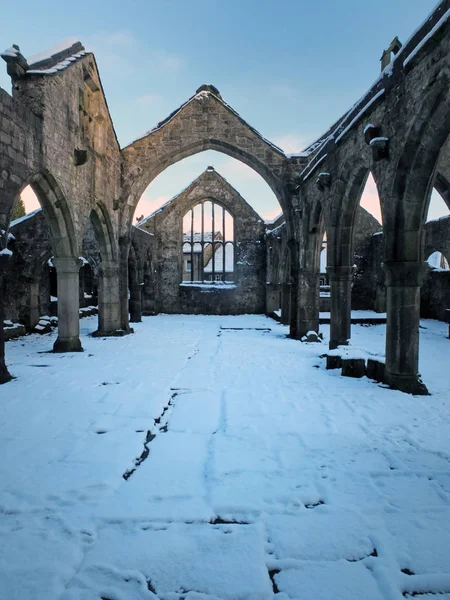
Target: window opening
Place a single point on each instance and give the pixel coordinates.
(208, 244)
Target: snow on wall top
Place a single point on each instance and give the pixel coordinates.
(204, 92)
(63, 46)
(436, 19)
(49, 62)
(24, 218)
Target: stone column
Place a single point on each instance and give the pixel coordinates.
(286, 303)
(272, 298)
(33, 317)
(148, 297)
(341, 305)
(135, 303)
(308, 302)
(403, 281)
(68, 272)
(108, 299)
(4, 373)
(124, 246)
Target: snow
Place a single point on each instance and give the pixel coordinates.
(59, 66)
(314, 167)
(6, 252)
(218, 260)
(46, 54)
(259, 459)
(213, 285)
(25, 217)
(360, 114)
(201, 96)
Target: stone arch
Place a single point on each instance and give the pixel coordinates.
(415, 173)
(212, 252)
(56, 209)
(429, 250)
(204, 122)
(104, 232)
(348, 193)
(442, 186)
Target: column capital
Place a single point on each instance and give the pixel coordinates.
(405, 273)
(67, 264)
(341, 273)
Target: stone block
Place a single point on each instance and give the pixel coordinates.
(13, 330)
(375, 369)
(353, 367)
(334, 362)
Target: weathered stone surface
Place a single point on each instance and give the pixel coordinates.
(333, 361)
(247, 294)
(375, 369)
(56, 134)
(353, 367)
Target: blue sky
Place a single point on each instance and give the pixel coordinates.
(290, 68)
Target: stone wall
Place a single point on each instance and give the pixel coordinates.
(248, 293)
(364, 288)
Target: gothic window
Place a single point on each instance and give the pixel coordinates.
(208, 244)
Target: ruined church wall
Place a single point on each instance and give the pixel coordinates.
(248, 295)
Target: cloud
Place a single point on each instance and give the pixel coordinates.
(29, 199)
(163, 61)
(283, 90)
(237, 169)
(149, 100)
(291, 142)
(114, 39)
(147, 204)
(114, 50)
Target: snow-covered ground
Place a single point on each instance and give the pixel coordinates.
(256, 470)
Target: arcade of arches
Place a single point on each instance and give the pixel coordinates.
(56, 135)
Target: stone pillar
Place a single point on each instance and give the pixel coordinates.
(4, 373)
(403, 281)
(341, 304)
(272, 298)
(148, 296)
(135, 303)
(307, 302)
(33, 317)
(286, 303)
(124, 246)
(108, 299)
(68, 271)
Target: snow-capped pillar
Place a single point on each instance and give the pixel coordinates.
(341, 300)
(68, 274)
(4, 373)
(403, 280)
(135, 303)
(308, 302)
(108, 299)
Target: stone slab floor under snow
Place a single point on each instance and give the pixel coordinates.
(251, 471)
